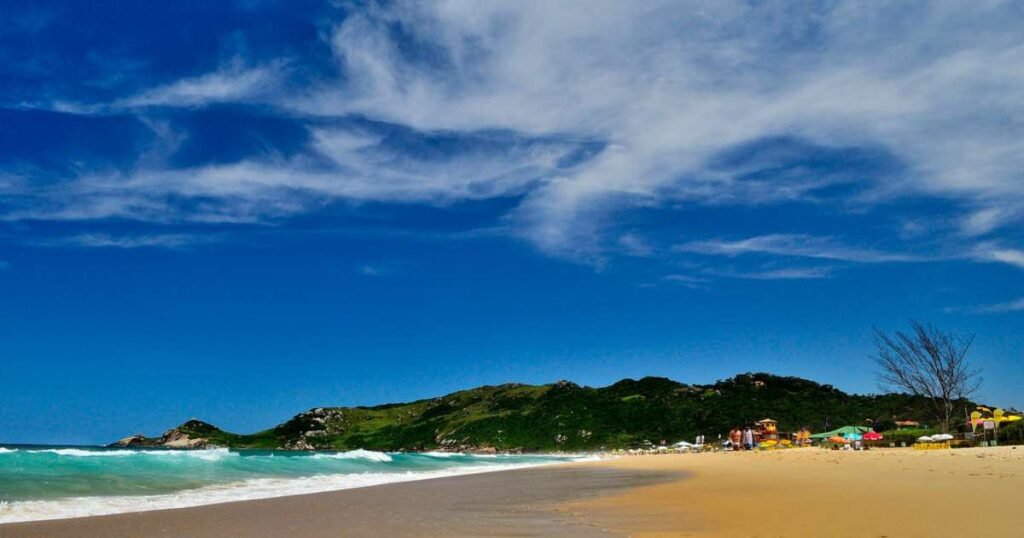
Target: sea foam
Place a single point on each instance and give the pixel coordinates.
(358, 454)
(212, 454)
(260, 488)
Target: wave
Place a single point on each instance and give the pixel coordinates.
(7, 450)
(259, 488)
(358, 454)
(441, 454)
(210, 454)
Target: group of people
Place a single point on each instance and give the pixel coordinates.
(741, 439)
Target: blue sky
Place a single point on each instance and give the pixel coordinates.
(242, 211)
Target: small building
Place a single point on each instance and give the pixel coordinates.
(767, 429)
(905, 424)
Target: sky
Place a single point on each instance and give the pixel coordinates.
(242, 210)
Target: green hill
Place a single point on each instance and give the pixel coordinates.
(563, 416)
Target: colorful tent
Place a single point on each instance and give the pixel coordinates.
(859, 430)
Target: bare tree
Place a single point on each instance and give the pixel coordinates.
(928, 362)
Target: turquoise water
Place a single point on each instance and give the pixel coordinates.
(44, 482)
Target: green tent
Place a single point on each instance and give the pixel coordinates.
(842, 432)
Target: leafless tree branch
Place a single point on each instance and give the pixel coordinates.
(928, 362)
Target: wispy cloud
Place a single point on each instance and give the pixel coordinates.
(685, 279)
(369, 270)
(997, 308)
(784, 273)
(695, 82)
(1011, 256)
(665, 90)
(802, 246)
(345, 164)
(635, 245)
(97, 240)
(383, 268)
(232, 83)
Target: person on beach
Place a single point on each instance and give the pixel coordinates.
(735, 438)
(748, 438)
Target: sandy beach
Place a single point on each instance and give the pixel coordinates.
(815, 492)
(809, 492)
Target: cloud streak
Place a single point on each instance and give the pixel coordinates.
(800, 246)
(98, 240)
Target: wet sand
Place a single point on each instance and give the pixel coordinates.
(524, 502)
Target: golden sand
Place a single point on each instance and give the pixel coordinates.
(816, 492)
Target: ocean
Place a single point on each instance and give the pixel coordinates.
(52, 482)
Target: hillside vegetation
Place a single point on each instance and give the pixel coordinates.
(566, 416)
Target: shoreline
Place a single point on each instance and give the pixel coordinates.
(525, 502)
(881, 492)
(248, 490)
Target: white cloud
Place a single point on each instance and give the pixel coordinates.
(995, 253)
(802, 246)
(635, 245)
(785, 273)
(1012, 306)
(686, 279)
(997, 308)
(98, 240)
(984, 221)
(362, 170)
(668, 86)
(233, 82)
(672, 84)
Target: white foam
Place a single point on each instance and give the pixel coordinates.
(358, 454)
(7, 450)
(262, 488)
(442, 454)
(210, 454)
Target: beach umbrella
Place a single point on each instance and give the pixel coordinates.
(852, 436)
(942, 437)
(925, 439)
(838, 439)
(873, 436)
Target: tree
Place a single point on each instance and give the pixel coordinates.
(928, 362)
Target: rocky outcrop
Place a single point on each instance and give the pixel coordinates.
(194, 434)
(176, 438)
(132, 441)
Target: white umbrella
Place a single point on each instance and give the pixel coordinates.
(942, 437)
(925, 439)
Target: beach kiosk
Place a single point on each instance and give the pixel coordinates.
(767, 430)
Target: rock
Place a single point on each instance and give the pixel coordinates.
(175, 438)
(299, 444)
(132, 440)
